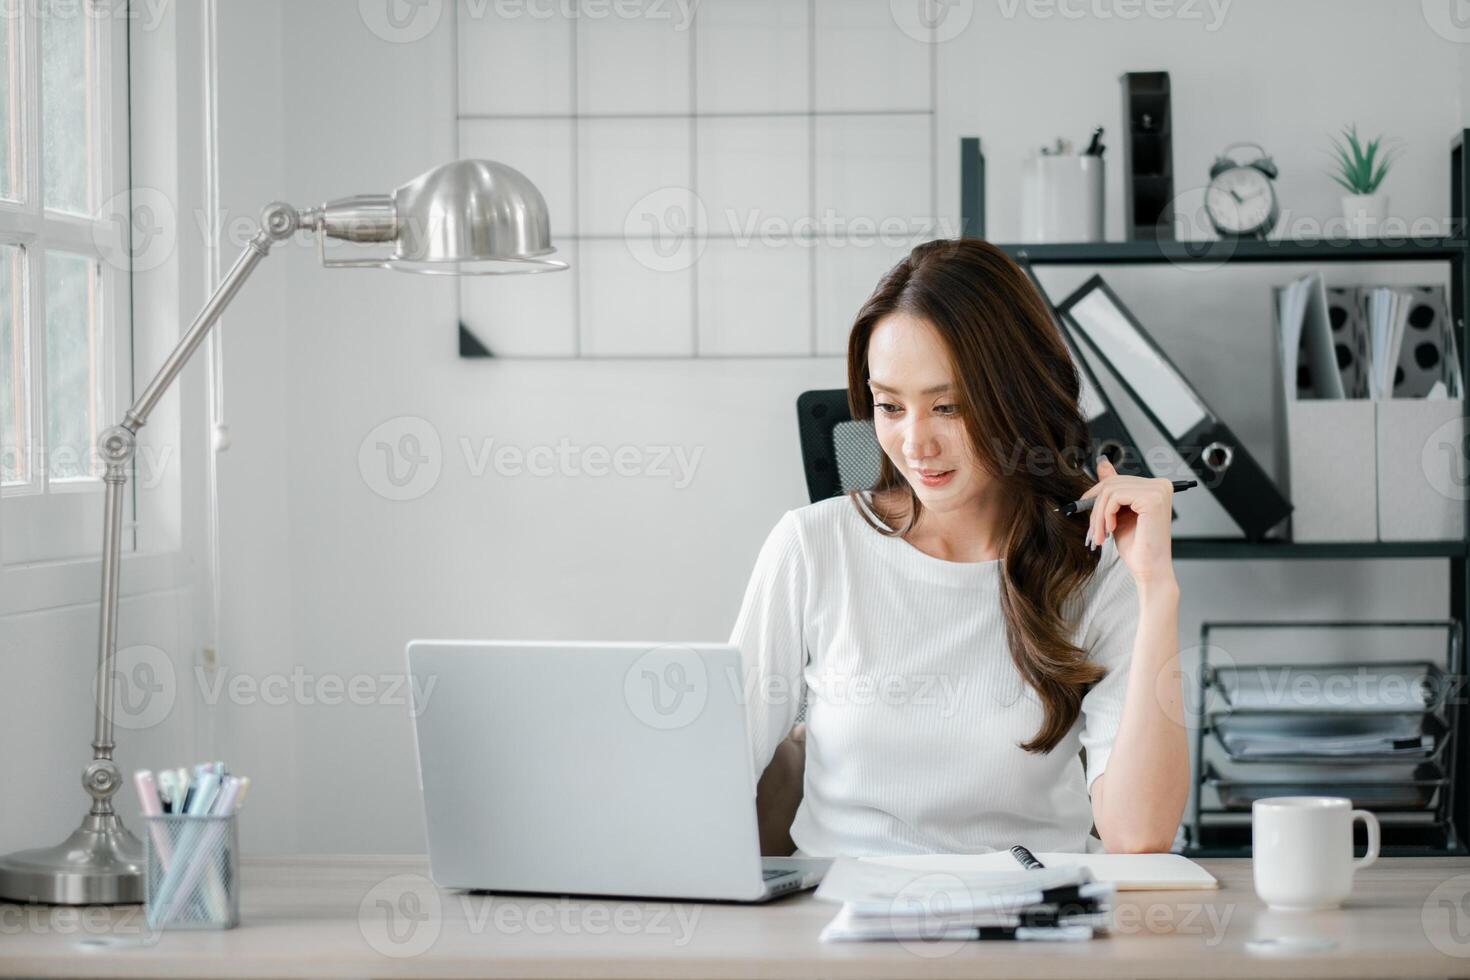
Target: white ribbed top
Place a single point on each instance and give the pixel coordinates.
(915, 708)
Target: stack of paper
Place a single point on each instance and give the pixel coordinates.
(1267, 745)
(883, 901)
(1367, 358)
(1305, 324)
(1388, 313)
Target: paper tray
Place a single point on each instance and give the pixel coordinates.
(1257, 737)
(1413, 687)
(1315, 772)
(1409, 794)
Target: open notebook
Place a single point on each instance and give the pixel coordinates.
(1126, 872)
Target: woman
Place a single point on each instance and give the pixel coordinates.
(956, 639)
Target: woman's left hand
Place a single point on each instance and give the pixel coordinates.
(1137, 512)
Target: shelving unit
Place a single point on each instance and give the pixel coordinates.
(1185, 253)
(1412, 793)
(1454, 249)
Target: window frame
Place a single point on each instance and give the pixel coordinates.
(47, 520)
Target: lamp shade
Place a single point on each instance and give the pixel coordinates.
(472, 217)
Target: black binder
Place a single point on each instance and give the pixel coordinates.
(1110, 436)
(1220, 460)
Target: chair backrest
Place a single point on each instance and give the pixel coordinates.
(838, 453)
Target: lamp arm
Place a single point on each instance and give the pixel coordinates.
(117, 445)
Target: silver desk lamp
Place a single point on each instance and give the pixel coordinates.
(470, 217)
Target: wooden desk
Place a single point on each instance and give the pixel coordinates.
(1409, 917)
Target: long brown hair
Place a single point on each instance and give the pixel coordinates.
(1017, 391)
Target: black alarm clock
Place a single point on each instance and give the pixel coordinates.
(1241, 197)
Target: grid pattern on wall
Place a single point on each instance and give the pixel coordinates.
(729, 186)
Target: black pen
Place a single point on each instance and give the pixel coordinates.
(1027, 859)
(1083, 506)
(1063, 934)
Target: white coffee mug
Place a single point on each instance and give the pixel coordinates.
(1302, 850)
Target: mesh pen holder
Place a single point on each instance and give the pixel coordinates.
(193, 872)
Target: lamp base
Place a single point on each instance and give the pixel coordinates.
(101, 863)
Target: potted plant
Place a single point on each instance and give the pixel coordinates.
(1360, 170)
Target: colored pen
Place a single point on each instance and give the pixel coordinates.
(224, 805)
(1083, 506)
(202, 793)
(152, 807)
(241, 791)
(165, 784)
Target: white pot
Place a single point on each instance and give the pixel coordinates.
(1363, 212)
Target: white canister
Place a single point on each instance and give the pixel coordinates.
(1062, 199)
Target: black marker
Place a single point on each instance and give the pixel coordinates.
(1083, 506)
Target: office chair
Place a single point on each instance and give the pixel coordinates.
(838, 452)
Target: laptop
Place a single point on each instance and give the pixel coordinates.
(618, 769)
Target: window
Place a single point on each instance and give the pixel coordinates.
(65, 333)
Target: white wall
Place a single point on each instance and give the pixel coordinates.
(322, 572)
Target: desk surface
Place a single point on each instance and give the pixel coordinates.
(330, 916)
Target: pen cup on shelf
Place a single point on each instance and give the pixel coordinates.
(1062, 198)
(193, 872)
